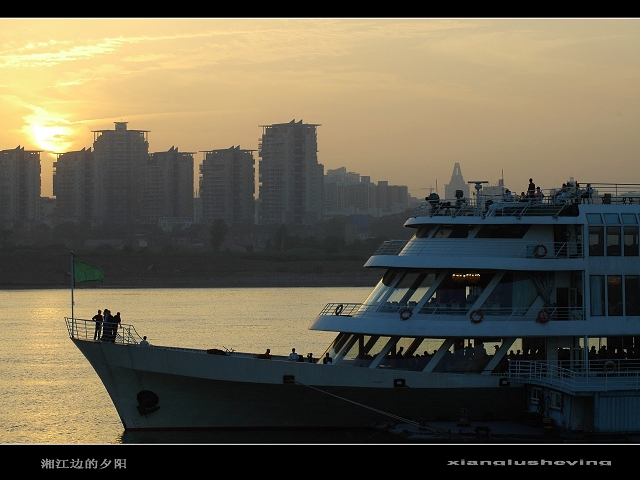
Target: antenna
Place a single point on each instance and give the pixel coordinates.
(478, 183)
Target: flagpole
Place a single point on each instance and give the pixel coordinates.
(72, 282)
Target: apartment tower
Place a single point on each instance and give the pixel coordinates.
(120, 156)
(20, 187)
(73, 186)
(227, 186)
(290, 177)
(167, 189)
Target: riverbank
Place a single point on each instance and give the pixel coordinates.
(207, 270)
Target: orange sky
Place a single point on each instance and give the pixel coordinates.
(397, 99)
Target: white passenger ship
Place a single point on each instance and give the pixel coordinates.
(493, 310)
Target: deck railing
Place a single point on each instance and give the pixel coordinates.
(554, 202)
(579, 376)
(446, 247)
(427, 311)
(83, 329)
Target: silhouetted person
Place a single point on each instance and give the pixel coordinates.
(531, 189)
(98, 319)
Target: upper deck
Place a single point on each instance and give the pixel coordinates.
(525, 233)
(553, 203)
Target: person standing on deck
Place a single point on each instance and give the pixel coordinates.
(98, 319)
(531, 189)
(114, 326)
(106, 324)
(293, 355)
(107, 327)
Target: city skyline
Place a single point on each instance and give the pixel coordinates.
(398, 99)
(121, 182)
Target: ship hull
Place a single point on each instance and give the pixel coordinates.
(163, 388)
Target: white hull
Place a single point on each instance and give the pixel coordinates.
(197, 390)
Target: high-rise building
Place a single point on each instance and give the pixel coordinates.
(290, 177)
(391, 198)
(167, 190)
(227, 186)
(20, 187)
(73, 186)
(456, 183)
(348, 193)
(120, 156)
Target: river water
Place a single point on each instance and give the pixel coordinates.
(51, 395)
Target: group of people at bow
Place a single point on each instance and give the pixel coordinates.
(106, 325)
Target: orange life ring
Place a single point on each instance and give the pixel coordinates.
(540, 251)
(405, 314)
(478, 318)
(609, 365)
(544, 315)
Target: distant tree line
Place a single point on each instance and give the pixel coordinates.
(328, 237)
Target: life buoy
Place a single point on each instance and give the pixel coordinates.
(609, 366)
(476, 316)
(405, 314)
(540, 251)
(339, 309)
(544, 315)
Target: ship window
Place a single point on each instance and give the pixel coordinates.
(597, 295)
(596, 241)
(594, 218)
(503, 231)
(358, 353)
(631, 294)
(611, 218)
(536, 395)
(555, 400)
(629, 218)
(371, 345)
(452, 231)
(419, 290)
(613, 241)
(382, 288)
(631, 241)
(423, 232)
(614, 295)
(403, 286)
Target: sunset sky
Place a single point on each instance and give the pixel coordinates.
(397, 99)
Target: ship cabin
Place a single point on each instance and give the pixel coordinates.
(538, 290)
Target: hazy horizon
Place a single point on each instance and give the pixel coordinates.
(400, 100)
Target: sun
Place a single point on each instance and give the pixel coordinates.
(48, 132)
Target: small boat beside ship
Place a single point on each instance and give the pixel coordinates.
(495, 308)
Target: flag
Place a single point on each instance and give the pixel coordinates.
(83, 272)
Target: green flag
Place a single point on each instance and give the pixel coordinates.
(83, 272)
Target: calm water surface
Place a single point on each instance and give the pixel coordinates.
(50, 394)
